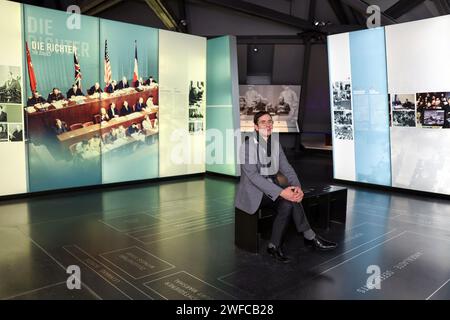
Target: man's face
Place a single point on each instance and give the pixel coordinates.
(141, 100)
(264, 126)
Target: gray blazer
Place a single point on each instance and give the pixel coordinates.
(252, 184)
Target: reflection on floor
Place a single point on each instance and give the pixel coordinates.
(175, 240)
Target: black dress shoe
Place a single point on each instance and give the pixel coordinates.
(278, 254)
(320, 243)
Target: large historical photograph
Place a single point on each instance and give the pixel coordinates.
(196, 106)
(10, 88)
(281, 101)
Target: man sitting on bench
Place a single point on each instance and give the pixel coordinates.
(261, 157)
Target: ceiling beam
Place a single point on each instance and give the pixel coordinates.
(312, 10)
(184, 25)
(90, 5)
(442, 6)
(273, 15)
(276, 39)
(339, 11)
(263, 12)
(401, 7)
(361, 6)
(446, 5)
(164, 15)
(97, 6)
(358, 17)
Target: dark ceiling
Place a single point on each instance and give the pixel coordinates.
(307, 16)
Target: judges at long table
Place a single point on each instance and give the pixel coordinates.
(109, 137)
(84, 109)
(73, 137)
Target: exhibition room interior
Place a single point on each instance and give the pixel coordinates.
(262, 150)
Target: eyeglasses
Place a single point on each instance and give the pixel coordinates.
(265, 123)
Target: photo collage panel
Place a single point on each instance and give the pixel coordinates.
(421, 110)
(11, 118)
(196, 106)
(342, 110)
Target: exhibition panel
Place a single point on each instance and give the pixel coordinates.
(123, 48)
(341, 105)
(420, 92)
(80, 101)
(12, 147)
(389, 109)
(182, 97)
(370, 106)
(222, 123)
(58, 57)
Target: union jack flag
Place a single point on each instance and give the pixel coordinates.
(78, 75)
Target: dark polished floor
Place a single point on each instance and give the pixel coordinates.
(175, 240)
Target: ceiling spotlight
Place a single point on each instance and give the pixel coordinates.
(321, 23)
(255, 49)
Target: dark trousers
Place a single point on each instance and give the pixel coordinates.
(285, 210)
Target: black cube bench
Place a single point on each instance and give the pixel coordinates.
(322, 204)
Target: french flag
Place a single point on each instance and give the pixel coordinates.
(135, 73)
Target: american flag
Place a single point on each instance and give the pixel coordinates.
(107, 65)
(77, 68)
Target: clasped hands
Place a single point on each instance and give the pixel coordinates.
(292, 193)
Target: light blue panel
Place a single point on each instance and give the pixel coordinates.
(142, 158)
(45, 32)
(220, 119)
(370, 106)
(50, 41)
(121, 37)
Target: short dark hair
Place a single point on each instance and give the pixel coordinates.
(259, 115)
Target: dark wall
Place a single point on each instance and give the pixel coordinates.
(277, 62)
(287, 68)
(133, 12)
(288, 64)
(317, 113)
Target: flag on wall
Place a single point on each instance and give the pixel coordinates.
(135, 73)
(31, 75)
(77, 68)
(107, 65)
